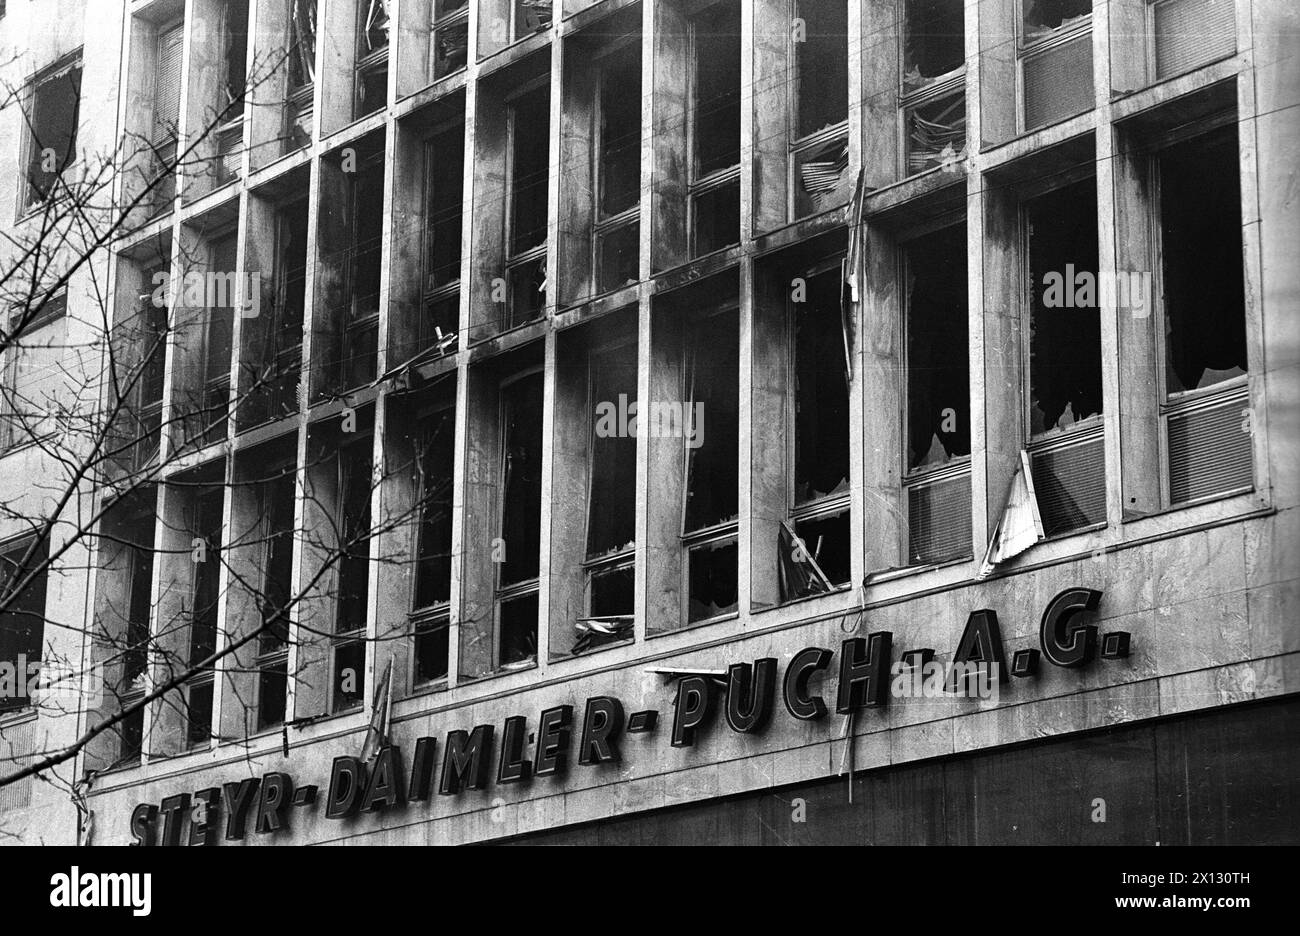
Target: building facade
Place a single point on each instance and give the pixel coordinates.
(621, 421)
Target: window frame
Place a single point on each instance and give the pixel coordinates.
(502, 594)
(514, 262)
(452, 20)
(432, 293)
(340, 639)
(427, 620)
(265, 659)
(29, 203)
(699, 186)
(204, 679)
(35, 549)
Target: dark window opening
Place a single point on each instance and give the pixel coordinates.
(302, 44)
(276, 503)
(717, 90)
(1065, 323)
(531, 16)
(935, 43)
(349, 675)
(712, 579)
(432, 650)
(620, 134)
(821, 65)
(821, 396)
(521, 470)
(611, 517)
(22, 622)
(450, 36)
(611, 604)
(819, 170)
(1044, 18)
(206, 526)
(214, 397)
(360, 333)
(814, 555)
(355, 485)
(1204, 290)
(938, 362)
(445, 158)
(716, 211)
(618, 255)
(234, 37)
(55, 110)
(372, 57)
(710, 421)
(435, 460)
(529, 169)
(527, 286)
(518, 632)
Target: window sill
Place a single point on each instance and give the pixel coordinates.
(905, 572)
(693, 625)
(18, 716)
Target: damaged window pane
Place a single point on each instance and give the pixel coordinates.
(54, 112)
(821, 65)
(936, 132)
(938, 368)
(1204, 292)
(819, 171)
(521, 471)
(611, 608)
(518, 632)
(710, 421)
(611, 518)
(531, 16)
(712, 579)
(821, 441)
(717, 89)
(527, 292)
(530, 152)
(450, 36)
(935, 44)
(435, 454)
(620, 134)
(814, 555)
(1044, 18)
(1065, 325)
(302, 42)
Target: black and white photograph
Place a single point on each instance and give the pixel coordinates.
(650, 423)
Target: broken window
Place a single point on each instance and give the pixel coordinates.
(218, 325)
(431, 616)
(618, 169)
(817, 538)
(821, 54)
(372, 56)
(302, 74)
(530, 16)
(611, 504)
(165, 131)
(1055, 60)
(355, 484)
(521, 506)
(445, 169)
(1065, 324)
(276, 506)
(450, 36)
(205, 540)
(528, 127)
(229, 131)
(1207, 403)
(709, 426)
(27, 362)
(277, 370)
(937, 429)
(366, 216)
(933, 98)
(22, 622)
(1204, 291)
(52, 119)
(137, 546)
(715, 125)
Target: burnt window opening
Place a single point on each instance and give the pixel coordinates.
(431, 618)
(165, 131)
(276, 506)
(302, 44)
(450, 41)
(136, 544)
(52, 120)
(530, 16)
(618, 170)
(1044, 19)
(715, 128)
(821, 397)
(445, 174)
(528, 125)
(934, 45)
(611, 501)
(709, 424)
(23, 576)
(365, 217)
(1204, 286)
(936, 130)
(290, 306)
(435, 459)
(1064, 320)
(205, 528)
(521, 505)
(354, 466)
(938, 363)
(234, 39)
(814, 546)
(372, 56)
(208, 423)
(821, 65)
